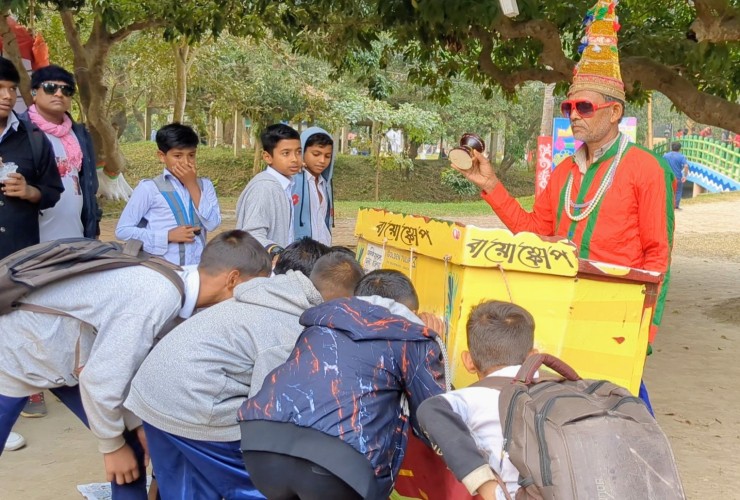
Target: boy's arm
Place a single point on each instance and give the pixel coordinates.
(154, 241)
(47, 182)
(253, 214)
(208, 209)
(428, 376)
(450, 436)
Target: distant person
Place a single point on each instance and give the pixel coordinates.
(333, 421)
(313, 196)
(88, 355)
(190, 387)
(680, 166)
(265, 207)
(172, 213)
(465, 423)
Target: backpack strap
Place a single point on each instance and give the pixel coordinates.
(36, 139)
(534, 362)
(183, 216)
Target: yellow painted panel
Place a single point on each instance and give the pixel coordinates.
(598, 325)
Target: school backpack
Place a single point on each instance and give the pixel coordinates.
(575, 439)
(33, 267)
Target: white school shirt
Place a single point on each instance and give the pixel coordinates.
(287, 184)
(63, 220)
(478, 408)
(319, 207)
(147, 202)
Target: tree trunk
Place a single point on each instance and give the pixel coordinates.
(182, 52)
(238, 127)
(147, 123)
(257, 161)
(11, 51)
(547, 110)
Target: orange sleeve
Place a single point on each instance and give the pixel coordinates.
(655, 214)
(541, 220)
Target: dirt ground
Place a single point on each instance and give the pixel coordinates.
(690, 376)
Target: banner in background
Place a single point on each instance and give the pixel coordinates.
(544, 164)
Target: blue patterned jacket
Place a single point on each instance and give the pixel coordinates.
(349, 376)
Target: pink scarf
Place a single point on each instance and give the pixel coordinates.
(65, 135)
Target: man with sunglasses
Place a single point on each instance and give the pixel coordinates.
(613, 198)
(76, 214)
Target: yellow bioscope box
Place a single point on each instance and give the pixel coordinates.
(594, 316)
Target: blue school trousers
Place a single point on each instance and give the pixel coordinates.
(186, 468)
(10, 409)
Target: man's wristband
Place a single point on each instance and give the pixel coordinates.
(274, 250)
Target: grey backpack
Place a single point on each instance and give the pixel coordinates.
(31, 268)
(575, 439)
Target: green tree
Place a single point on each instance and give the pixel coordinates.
(686, 50)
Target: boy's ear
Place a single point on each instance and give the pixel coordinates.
(234, 278)
(266, 157)
(468, 363)
(161, 156)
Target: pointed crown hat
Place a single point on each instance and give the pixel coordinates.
(598, 70)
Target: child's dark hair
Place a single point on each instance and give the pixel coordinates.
(8, 71)
(276, 133)
(499, 333)
(336, 275)
(319, 139)
(235, 250)
(390, 284)
(341, 249)
(300, 256)
(176, 135)
(676, 146)
(51, 73)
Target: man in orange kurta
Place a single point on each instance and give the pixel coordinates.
(612, 198)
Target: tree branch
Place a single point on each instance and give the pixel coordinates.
(699, 106)
(71, 33)
(133, 27)
(509, 81)
(716, 21)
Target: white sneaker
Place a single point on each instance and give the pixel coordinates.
(14, 442)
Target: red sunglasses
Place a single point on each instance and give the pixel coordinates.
(584, 108)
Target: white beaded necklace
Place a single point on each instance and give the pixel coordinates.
(606, 183)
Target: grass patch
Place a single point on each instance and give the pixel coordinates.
(345, 209)
(712, 198)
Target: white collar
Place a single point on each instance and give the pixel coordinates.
(12, 123)
(506, 371)
(285, 182)
(581, 156)
(191, 280)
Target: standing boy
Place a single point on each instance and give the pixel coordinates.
(107, 322)
(36, 184)
(190, 387)
(680, 166)
(171, 213)
(265, 207)
(313, 211)
(465, 424)
(337, 413)
(33, 185)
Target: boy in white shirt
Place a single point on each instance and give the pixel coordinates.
(313, 207)
(465, 424)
